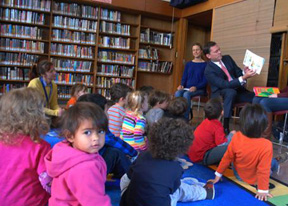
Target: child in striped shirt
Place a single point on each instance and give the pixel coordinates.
(133, 127)
(116, 113)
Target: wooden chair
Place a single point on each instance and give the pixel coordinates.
(236, 109)
(284, 126)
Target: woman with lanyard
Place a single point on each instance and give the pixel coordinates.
(46, 85)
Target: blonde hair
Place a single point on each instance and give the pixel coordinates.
(76, 88)
(135, 101)
(22, 113)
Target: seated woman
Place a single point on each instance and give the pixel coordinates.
(193, 82)
(46, 85)
(273, 103)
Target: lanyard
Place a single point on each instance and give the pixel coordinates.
(45, 92)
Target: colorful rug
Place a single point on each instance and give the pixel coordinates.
(280, 192)
(227, 192)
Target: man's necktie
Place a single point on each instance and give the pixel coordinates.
(224, 69)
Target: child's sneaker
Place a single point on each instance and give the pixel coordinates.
(282, 158)
(209, 187)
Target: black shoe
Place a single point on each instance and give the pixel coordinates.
(209, 187)
(226, 131)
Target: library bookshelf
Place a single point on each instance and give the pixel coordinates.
(96, 45)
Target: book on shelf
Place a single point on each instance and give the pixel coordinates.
(265, 91)
(149, 53)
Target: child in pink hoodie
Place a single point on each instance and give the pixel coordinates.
(78, 171)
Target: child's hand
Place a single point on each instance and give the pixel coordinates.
(215, 180)
(263, 196)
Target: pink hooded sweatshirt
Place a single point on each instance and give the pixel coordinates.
(78, 177)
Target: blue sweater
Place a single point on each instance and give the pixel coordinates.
(194, 75)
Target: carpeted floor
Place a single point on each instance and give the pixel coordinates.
(227, 192)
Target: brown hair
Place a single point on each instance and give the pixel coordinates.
(177, 106)
(22, 113)
(71, 119)
(158, 97)
(41, 68)
(76, 88)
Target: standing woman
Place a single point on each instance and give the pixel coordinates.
(45, 84)
(193, 82)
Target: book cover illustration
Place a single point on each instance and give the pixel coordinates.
(265, 91)
(253, 61)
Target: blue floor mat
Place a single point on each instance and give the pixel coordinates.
(227, 192)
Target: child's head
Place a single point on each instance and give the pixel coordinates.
(178, 106)
(169, 138)
(84, 126)
(119, 92)
(213, 108)
(147, 90)
(22, 112)
(253, 120)
(97, 99)
(137, 102)
(159, 99)
(78, 90)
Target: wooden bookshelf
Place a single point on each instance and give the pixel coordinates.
(95, 44)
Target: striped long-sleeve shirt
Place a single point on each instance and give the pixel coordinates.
(133, 129)
(116, 115)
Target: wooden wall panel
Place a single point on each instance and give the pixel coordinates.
(281, 14)
(245, 25)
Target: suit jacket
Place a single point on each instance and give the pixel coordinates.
(218, 80)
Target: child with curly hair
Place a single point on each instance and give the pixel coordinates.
(155, 176)
(134, 123)
(23, 176)
(78, 171)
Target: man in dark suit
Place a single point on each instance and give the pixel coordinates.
(226, 79)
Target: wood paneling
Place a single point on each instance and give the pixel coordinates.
(158, 81)
(205, 6)
(281, 15)
(245, 25)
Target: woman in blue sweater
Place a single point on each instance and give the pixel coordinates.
(193, 81)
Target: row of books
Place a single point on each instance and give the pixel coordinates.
(114, 42)
(71, 65)
(74, 23)
(72, 50)
(73, 36)
(65, 91)
(111, 15)
(75, 10)
(18, 59)
(149, 53)
(148, 36)
(109, 81)
(12, 30)
(22, 16)
(104, 92)
(14, 73)
(5, 88)
(114, 28)
(112, 56)
(43, 5)
(68, 78)
(21, 45)
(115, 70)
(164, 67)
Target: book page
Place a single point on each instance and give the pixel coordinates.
(265, 91)
(253, 61)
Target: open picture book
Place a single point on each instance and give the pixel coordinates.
(253, 61)
(265, 91)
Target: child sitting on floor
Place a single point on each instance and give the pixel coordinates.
(134, 123)
(77, 90)
(23, 176)
(117, 112)
(155, 176)
(176, 108)
(158, 100)
(78, 171)
(210, 142)
(250, 153)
